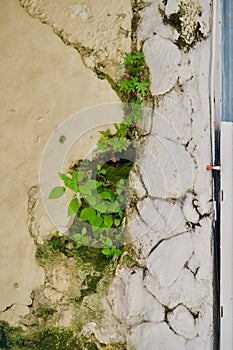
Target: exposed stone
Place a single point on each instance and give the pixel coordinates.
(167, 260)
(52, 294)
(13, 313)
(182, 322)
(152, 336)
(162, 56)
(61, 280)
(67, 318)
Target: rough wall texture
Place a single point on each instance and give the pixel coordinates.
(164, 300)
(42, 81)
(173, 221)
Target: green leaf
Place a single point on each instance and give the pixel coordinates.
(105, 133)
(73, 186)
(73, 207)
(97, 221)
(84, 189)
(109, 194)
(92, 200)
(69, 182)
(117, 222)
(101, 207)
(84, 230)
(118, 237)
(57, 192)
(126, 85)
(108, 242)
(113, 207)
(78, 175)
(85, 239)
(88, 214)
(64, 177)
(121, 198)
(79, 245)
(116, 251)
(121, 214)
(108, 221)
(89, 186)
(57, 234)
(143, 86)
(92, 184)
(77, 236)
(106, 251)
(128, 259)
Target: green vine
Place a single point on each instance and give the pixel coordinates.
(99, 195)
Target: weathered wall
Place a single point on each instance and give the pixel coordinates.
(43, 82)
(164, 300)
(173, 221)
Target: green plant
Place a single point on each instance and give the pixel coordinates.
(99, 197)
(99, 205)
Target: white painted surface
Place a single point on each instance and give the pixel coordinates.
(227, 236)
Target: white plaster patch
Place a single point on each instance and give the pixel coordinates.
(151, 336)
(162, 56)
(185, 290)
(167, 168)
(173, 117)
(152, 23)
(189, 211)
(167, 260)
(199, 343)
(61, 281)
(148, 211)
(136, 227)
(131, 301)
(202, 240)
(171, 7)
(171, 212)
(80, 11)
(182, 321)
(136, 185)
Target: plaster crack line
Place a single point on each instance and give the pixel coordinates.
(82, 50)
(163, 240)
(7, 308)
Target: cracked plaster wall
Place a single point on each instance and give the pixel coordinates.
(165, 300)
(172, 225)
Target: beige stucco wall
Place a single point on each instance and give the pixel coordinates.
(43, 82)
